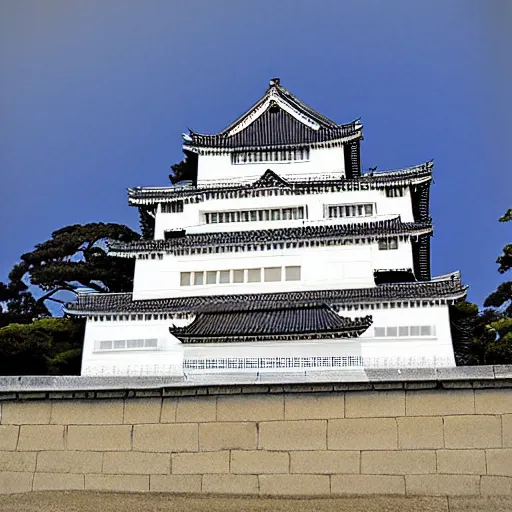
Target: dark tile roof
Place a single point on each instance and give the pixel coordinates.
(325, 233)
(446, 287)
(275, 127)
(313, 322)
(401, 177)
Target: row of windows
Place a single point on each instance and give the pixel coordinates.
(405, 331)
(388, 244)
(139, 317)
(248, 275)
(283, 155)
(175, 207)
(395, 305)
(256, 215)
(104, 345)
(349, 210)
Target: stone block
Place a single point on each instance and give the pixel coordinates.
(175, 483)
(227, 436)
(199, 463)
(169, 406)
(499, 462)
(506, 422)
(412, 462)
(325, 462)
(166, 438)
(136, 463)
(58, 482)
(293, 435)
(443, 485)
(127, 483)
(314, 406)
(196, 409)
(69, 462)
(41, 437)
(250, 407)
(440, 402)
(493, 401)
(367, 484)
(17, 461)
(230, 484)
(99, 438)
(259, 462)
(294, 485)
(142, 410)
(495, 486)
(87, 412)
(461, 462)
(26, 413)
(420, 433)
(375, 404)
(14, 482)
(8, 437)
(472, 431)
(362, 434)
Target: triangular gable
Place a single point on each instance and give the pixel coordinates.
(269, 179)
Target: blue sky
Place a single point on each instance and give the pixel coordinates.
(94, 95)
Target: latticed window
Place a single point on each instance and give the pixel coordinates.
(290, 213)
(340, 211)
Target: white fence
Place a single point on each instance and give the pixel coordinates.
(195, 366)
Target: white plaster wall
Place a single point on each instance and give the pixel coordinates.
(219, 167)
(171, 351)
(192, 218)
(336, 267)
(169, 348)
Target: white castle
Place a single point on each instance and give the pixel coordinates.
(277, 255)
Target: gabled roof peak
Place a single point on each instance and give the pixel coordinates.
(277, 119)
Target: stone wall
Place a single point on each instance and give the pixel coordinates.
(262, 441)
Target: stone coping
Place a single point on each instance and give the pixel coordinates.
(78, 387)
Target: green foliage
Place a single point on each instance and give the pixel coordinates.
(75, 256)
(487, 335)
(46, 346)
(23, 350)
(184, 170)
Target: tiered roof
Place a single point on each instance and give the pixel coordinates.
(301, 236)
(277, 120)
(416, 175)
(447, 287)
(267, 323)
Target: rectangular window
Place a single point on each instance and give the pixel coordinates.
(254, 275)
(238, 276)
(151, 343)
(403, 330)
(292, 273)
(276, 215)
(425, 330)
(185, 279)
(388, 244)
(214, 218)
(198, 278)
(415, 330)
(105, 345)
(368, 209)
(380, 332)
(211, 277)
(224, 276)
(391, 331)
(119, 344)
(272, 274)
(134, 344)
(254, 216)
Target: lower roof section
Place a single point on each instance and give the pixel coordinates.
(269, 323)
(447, 287)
